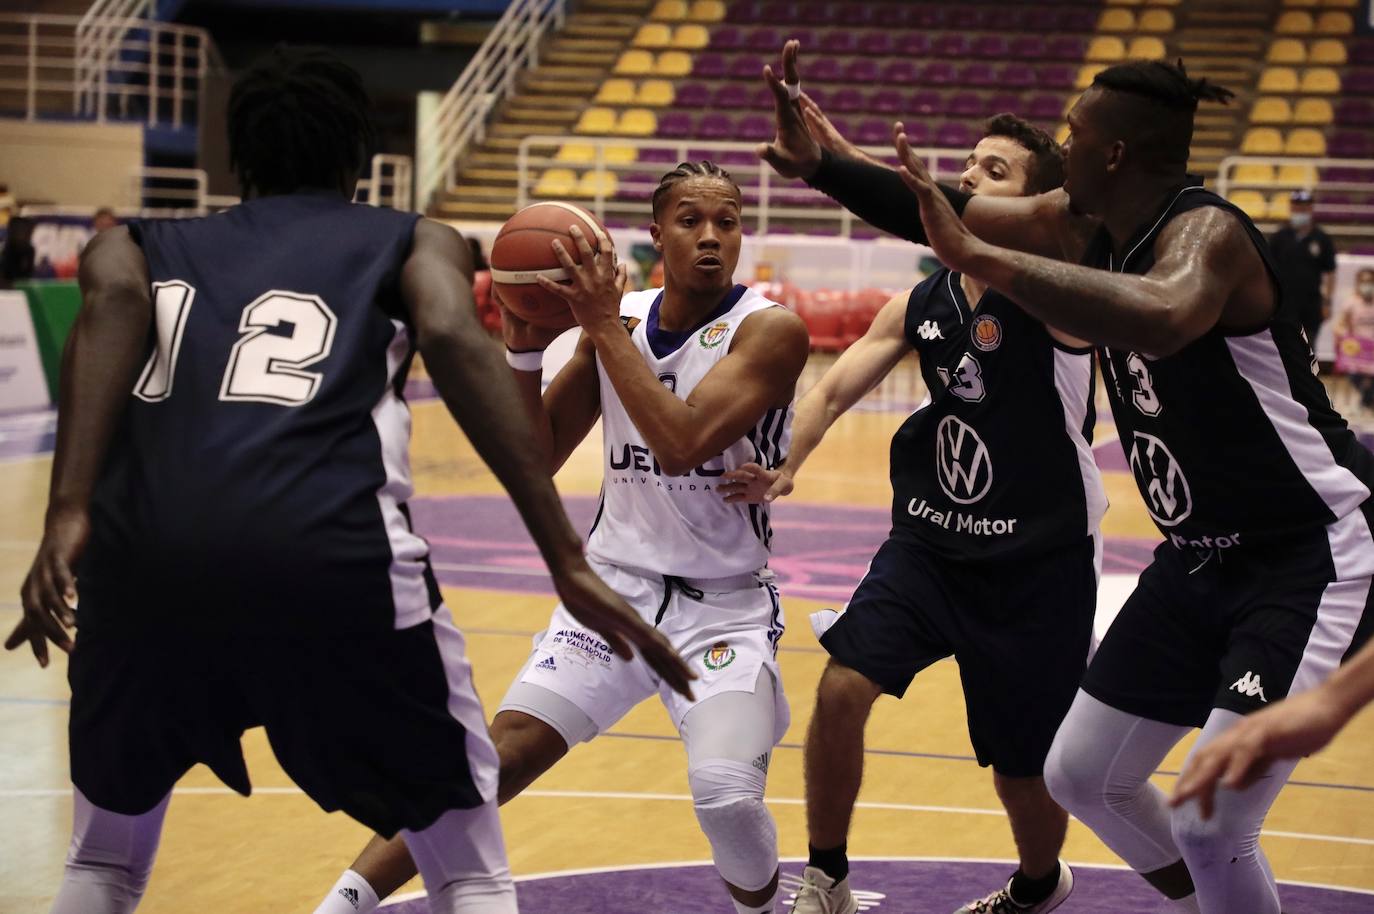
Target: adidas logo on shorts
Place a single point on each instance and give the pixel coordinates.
(1249, 686)
(547, 664)
(351, 895)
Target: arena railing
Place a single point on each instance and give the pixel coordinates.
(460, 119)
(769, 199)
(1353, 176)
(389, 182)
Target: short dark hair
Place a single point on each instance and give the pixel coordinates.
(1047, 156)
(686, 170)
(298, 119)
(1162, 101)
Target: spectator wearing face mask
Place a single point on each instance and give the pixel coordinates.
(1356, 319)
(1306, 261)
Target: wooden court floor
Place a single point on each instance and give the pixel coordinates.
(622, 800)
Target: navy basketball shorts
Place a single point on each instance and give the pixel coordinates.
(1019, 629)
(1236, 628)
(386, 727)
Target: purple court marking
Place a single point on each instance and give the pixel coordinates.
(881, 886)
(27, 435)
(820, 551)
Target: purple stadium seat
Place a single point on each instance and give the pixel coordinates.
(806, 37)
(980, 75)
(924, 102)
(637, 186)
(823, 70)
(727, 38)
(1041, 19)
(729, 96)
(659, 155)
(1044, 108)
(1359, 82)
(953, 136)
(1056, 77)
(692, 95)
(782, 11)
(890, 16)
(969, 19)
(927, 17)
(837, 41)
(1026, 47)
(755, 127)
(989, 47)
(885, 101)
(735, 157)
(1065, 47)
(1348, 144)
(876, 44)
(1078, 20)
(1007, 20)
(1344, 175)
(1004, 101)
(847, 100)
(856, 14)
(843, 124)
(745, 66)
(761, 99)
(1361, 51)
(938, 73)
(917, 134)
(817, 13)
(950, 45)
(708, 65)
(819, 94)
(712, 126)
(861, 70)
(964, 104)
(674, 125)
(913, 44)
(765, 41)
(1017, 75)
(899, 72)
(873, 131)
(1355, 112)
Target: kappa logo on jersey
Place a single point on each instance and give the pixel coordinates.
(714, 335)
(929, 330)
(669, 380)
(961, 460)
(718, 656)
(1249, 685)
(1161, 480)
(350, 895)
(986, 332)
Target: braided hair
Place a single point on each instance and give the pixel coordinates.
(298, 119)
(1154, 104)
(685, 171)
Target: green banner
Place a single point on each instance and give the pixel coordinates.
(53, 305)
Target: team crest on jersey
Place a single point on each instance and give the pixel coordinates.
(718, 656)
(986, 332)
(714, 335)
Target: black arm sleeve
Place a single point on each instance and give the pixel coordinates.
(877, 195)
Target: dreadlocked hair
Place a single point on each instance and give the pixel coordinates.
(1167, 84)
(1152, 108)
(686, 171)
(298, 119)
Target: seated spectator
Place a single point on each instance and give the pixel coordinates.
(1355, 323)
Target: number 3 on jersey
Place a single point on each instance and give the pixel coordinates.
(1144, 394)
(265, 365)
(967, 382)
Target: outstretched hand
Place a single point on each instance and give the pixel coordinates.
(754, 484)
(794, 153)
(827, 135)
(954, 245)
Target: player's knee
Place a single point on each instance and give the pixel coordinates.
(728, 797)
(1224, 835)
(1071, 778)
(845, 693)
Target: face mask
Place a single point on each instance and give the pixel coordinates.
(1366, 290)
(1300, 220)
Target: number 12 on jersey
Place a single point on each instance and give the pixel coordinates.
(263, 366)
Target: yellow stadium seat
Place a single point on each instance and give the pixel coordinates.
(1279, 206)
(1087, 73)
(1253, 173)
(1251, 203)
(707, 11)
(1328, 51)
(691, 37)
(1348, 4)
(637, 122)
(1271, 111)
(596, 120)
(557, 182)
(1123, 2)
(1163, 2)
(1287, 50)
(1279, 79)
(1262, 141)
(1334, 22)
(1320, 81)
(1301, 3)
(634, 62)
(653, 35)
(1304, 141)
(1315, 111)
(619, 155)
(1106, 48)
(1146, 47)
(1296, 174)
(669, 10)
(594, 182)
(673, 63)
(1294, 22)
(1073, 100)
(580, 153)
(655, 93)
(1156, 21)
(1116, 20)
(1061, 136)
(616, 92)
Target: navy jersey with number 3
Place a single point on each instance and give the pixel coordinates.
(260, 469)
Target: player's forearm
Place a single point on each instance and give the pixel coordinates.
(811, 419)
(876, 194)
(1351, 687)
(529, 387)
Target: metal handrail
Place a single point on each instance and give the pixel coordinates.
(1226, 183)
(461, 117)
(390, 182)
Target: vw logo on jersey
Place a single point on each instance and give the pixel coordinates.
(962, 461)
(1161, 480)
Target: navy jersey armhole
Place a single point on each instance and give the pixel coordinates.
(916, 306)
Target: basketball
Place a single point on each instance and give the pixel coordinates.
(523, 250)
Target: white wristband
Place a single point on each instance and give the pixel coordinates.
(793, 90)
(525, 361)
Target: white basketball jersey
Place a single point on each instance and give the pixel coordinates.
(681, 525)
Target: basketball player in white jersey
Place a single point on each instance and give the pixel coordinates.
(700, 384)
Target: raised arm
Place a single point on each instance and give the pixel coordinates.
(100, 364)
(478, 390)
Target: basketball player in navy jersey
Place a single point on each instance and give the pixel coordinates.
(1261, 491)
(701, 384)
(228, 499)
(993, 556)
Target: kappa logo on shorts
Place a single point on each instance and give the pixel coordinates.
(1249, 686)
(350, 895)
(714, 335)
(718, 656)
(547, 664)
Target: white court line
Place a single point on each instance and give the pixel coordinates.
(673, 798)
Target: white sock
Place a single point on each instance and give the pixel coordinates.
(742, 908)
(1184, 905)
(350, 895)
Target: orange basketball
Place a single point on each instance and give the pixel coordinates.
(523, 249)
